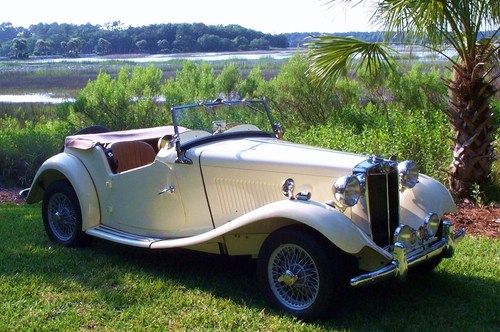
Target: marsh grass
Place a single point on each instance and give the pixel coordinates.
(66, 78)
(106, 286)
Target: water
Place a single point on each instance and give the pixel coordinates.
(210, 56)
(217, 56)
(41, 98)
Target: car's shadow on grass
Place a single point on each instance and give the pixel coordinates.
(438, 299)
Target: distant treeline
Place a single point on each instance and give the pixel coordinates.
(71, 40)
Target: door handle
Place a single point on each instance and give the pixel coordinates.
(169, 189)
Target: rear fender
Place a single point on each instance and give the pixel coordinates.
(64, 166)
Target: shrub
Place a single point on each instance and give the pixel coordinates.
(251, 86)
(24, 148)
(193, 82)
(418, 88)
(128, 101)
(422, 136)
(228, 80)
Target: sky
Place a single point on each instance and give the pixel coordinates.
(278, 16)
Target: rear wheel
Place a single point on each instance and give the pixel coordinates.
(62, 217)
(300, 273)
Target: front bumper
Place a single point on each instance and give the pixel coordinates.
(398, 267)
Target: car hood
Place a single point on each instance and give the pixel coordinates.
(273, 155)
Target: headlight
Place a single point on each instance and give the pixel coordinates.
(432, 224)
(347, 190)
(408, 173)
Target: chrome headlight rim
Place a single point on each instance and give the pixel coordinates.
(408, 174)
(406, 235)
(431, 224)
(347, 190)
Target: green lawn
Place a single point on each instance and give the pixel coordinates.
(113, 287)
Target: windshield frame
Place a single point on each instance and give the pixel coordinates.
(251, 104)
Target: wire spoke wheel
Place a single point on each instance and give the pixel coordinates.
(293, 276)
(62, 217)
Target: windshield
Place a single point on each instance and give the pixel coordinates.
(221, 117)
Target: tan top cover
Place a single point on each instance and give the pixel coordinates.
(88, 141)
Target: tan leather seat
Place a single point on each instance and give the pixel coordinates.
(132, 154)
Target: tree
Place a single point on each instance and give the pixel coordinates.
(241, 43)
(40, 47)
(19, 48)
(142, 45)
(435, 24)
(7, 31)
(72, 47)
(209, 43)
(163, 45)
(103, 47)
(259, 44)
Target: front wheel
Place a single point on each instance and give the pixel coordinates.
(62, 217)
(300, 273)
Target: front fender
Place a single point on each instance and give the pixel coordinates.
(331, 223)
(428, 196)
(65, 166)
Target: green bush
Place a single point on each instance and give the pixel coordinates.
(128, 101)
(193, 82)
(251, 87)
(417, 135)
(418, 88)
(24, 148)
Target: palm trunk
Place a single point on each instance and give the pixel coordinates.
(470, 116)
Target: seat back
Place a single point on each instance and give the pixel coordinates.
(132, 154)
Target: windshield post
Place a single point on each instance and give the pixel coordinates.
(277, 127)
(181, 157)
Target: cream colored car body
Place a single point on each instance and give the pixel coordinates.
(229, 199)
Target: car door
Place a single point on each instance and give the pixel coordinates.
(144, 201)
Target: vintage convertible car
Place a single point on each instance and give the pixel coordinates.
(315, 219)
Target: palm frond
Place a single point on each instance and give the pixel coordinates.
(332, 57)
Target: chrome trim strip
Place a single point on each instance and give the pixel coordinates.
(398, 266)
(115, 235)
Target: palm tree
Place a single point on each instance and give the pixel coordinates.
(435, 24)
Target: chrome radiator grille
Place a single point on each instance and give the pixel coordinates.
(382, 191)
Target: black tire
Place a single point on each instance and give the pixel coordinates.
(62, 217)
(311, 284)
(427, 266)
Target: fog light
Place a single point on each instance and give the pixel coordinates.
(432, 224)
(406, 235)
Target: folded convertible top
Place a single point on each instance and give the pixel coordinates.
(88, 141)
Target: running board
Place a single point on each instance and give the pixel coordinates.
(118, 236)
